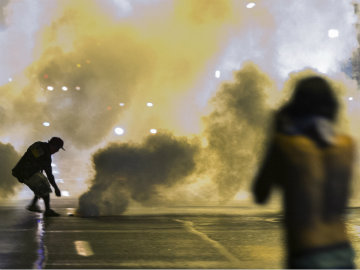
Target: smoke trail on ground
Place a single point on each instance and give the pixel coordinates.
(128, 171)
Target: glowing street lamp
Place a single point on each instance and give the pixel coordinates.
(333, 33)
(149, 104)
(46, 124)
(64, 88)
(217, 74)
(50, 88)
(153, 131)
(119, 131)
(250, 5)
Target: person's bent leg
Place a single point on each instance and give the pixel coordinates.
(33, 205)
(46, 199)
(48, 211)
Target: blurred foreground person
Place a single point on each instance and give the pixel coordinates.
(312, 165)
(29, 169)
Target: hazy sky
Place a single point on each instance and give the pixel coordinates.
(212, 70)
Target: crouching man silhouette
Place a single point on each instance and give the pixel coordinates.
(29, 170)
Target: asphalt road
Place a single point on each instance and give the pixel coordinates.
(175, 241)
(192, 240)
(180, 240)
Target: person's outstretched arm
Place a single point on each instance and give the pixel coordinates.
(51, 178)
(267, 175)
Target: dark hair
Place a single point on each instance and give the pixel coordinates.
(313, 96)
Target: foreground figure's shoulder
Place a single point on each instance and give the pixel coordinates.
(345, 139)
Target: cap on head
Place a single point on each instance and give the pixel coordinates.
(58, 142)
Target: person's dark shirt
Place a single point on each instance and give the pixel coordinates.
(37, 158)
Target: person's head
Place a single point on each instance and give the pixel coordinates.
(55, 143)
(313, 96)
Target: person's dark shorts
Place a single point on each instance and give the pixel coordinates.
(39, 184)
(340, 256)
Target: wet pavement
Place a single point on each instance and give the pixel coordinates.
(177, 240)
(192, 240)
(18, 238)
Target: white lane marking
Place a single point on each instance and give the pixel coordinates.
(83, 248)
(222, 250)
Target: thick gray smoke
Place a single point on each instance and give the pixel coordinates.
(8, 158)
(236, 128)
(128, 171)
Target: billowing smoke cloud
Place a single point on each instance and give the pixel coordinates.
(135, 171)
(8, 159)
(71, 63)
(236, 128)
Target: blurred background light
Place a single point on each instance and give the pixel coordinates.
(333, 33)
(119, 131)
(250, 5)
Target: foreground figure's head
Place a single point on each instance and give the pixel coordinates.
(313, 96)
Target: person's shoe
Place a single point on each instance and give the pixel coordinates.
(51, 213)
(34, 208)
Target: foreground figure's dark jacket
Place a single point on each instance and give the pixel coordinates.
(315, 181)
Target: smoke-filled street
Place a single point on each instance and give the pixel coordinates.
(162, 111)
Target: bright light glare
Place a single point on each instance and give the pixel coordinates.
(65, 193)
(46, 124)
(77, 88)
(53, 165)
(251, 5)
(149, 104)
(121, 104)
(64, 88)
(153, 131)
(10, 79)
(50, 88)
(350, 98)
(217, 74)
(119, 131)
(333, 33)
(242, 195)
